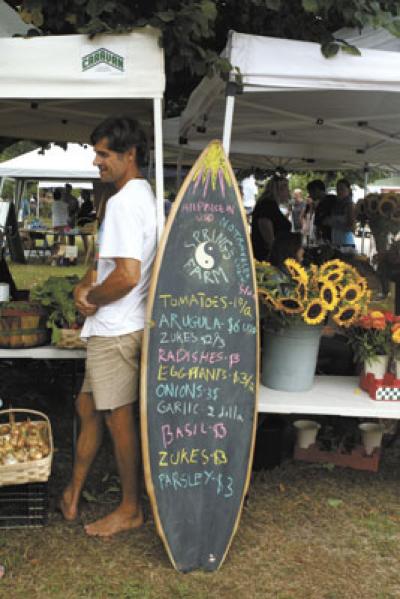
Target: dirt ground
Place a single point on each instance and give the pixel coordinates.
(307, 532)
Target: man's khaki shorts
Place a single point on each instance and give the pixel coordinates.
(112, 370)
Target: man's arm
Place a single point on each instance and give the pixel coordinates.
(81, 291)
(124, 277)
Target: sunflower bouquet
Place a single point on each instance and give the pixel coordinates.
(382, 213)
(310, 295)
(371, 335)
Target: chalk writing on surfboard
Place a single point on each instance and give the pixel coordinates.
(202, 363)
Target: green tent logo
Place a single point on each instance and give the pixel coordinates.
(103, 56)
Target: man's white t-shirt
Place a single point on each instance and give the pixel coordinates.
(129, 230)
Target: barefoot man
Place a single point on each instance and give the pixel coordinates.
(115, 307)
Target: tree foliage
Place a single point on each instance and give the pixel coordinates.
(195, 31)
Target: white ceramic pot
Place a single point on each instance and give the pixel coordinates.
(397, 368)
(376, 366)
(372, 434)
(307, 431)
(4, 292)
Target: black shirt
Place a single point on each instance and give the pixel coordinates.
(267, 208)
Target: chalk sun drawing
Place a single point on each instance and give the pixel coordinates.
(213, 168)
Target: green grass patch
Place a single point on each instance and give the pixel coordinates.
(27, 276)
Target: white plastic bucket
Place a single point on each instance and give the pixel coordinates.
(4, 292)
(307, 431)
(372, 434)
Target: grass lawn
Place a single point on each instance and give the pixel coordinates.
(28, 275)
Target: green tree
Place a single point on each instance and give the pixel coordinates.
(195, 31)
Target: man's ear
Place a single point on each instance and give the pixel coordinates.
(132, 154)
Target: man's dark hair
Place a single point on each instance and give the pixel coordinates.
(122, 133)
(315, 185)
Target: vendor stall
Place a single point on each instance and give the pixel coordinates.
(299, 109)
(58, 88)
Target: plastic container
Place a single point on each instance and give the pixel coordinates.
(290, 357)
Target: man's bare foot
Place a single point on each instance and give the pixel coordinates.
(68, 507)
(116, 522)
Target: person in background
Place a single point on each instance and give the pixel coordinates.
(24, 211)
(288, 245)
(168, 203)
(249, 191)
(268, 223)
(33, 204)
(86, 212)
(342, 218)
(73, 205)
(114, 307)
(297, 208)
(59, 215)
(86, 215)
(322, 205)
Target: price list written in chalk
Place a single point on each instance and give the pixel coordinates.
(201, 368)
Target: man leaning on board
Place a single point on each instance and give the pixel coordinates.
(114, 306)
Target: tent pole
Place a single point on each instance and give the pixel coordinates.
(158, 153)
(366, 171)
(232, 89)
(179, 170)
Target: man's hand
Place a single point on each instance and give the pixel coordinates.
(81, 302)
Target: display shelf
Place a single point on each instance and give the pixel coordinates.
(46, 352)
(330, 396)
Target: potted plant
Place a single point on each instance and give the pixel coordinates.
(295, 304)
(371, 340)
(65, 322)
(395, 332)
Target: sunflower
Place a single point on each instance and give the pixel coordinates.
(330, 265)
(362, 283)
(333, 276)
(315, 313)
(387, 205)
(301, 291)
(329, 296)
(350, 271)
(346, 316)
(297, 272)
(267, 298)
(351, 293)
(289, 305)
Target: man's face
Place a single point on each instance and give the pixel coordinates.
(113, 166)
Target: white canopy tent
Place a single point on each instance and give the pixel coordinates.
(297, 109)
(10, 22)
(76, 162)
(58, 88)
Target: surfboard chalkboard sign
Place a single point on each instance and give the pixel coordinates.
(200, 368)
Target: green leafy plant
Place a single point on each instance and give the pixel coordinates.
(56, 295)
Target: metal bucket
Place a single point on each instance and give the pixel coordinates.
(290, 357)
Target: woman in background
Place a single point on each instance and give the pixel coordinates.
(268, 222)
(289, 245)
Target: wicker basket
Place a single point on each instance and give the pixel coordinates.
(35, 470)
(23, 324)
(68, 339)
